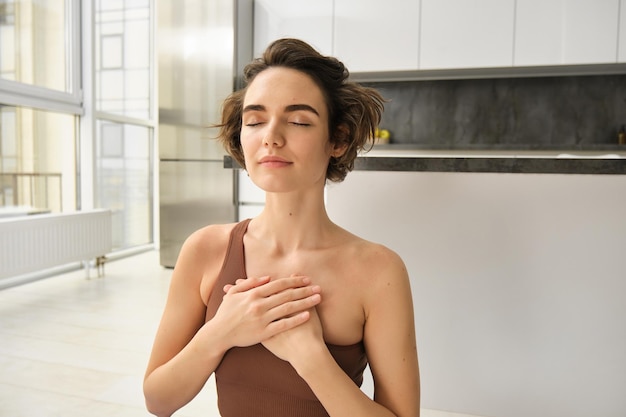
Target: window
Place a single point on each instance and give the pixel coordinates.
(74, 136)
(34, 48)
(37, 160)
(39, 104)
(125, 129)
(123, 50)
(124, 178)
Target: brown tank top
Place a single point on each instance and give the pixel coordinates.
(251, 381)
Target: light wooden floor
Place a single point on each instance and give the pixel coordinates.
(71, 346)
(77, 347)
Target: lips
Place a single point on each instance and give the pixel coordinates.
(273, 161)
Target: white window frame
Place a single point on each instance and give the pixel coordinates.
(19, 94)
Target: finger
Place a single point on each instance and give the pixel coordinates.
(279, 326)
(278, 285)
(242, 285)
(292, 294)
(227, 287)
(294, 307)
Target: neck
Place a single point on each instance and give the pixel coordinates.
(293, 222)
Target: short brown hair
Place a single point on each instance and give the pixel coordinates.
(354, 111)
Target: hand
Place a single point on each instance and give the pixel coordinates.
(255, 309)
(294, 344)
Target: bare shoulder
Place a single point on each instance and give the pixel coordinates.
(209, 238)
(201, 257)
(376, 266)
(380, 260)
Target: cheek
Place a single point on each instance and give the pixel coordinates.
(247, 142)
(250, 148)
(247, 154)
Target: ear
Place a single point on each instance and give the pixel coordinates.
(339, 149)
(340, 144)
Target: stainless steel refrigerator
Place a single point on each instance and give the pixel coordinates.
(196, 71)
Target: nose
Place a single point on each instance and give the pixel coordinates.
(273, 136)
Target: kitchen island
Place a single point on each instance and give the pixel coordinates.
(517, 273)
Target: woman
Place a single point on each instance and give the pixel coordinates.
(288, 308)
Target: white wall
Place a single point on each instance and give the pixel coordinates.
(518, 283)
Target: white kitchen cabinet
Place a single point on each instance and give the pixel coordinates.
(311, 21)
(466, 34)
(556, 32)
(373, 35)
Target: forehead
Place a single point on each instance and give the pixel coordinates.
(279, 86)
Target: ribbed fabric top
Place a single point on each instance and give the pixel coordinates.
(251, 381)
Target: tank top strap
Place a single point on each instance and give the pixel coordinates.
(233, 267)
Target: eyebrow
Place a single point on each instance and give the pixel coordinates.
(289, 109)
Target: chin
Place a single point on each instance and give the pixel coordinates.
(273, 185)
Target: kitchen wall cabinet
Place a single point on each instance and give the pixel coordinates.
(555, 32)
(464, 34)
(371, 35)
(311, 21)
(409, 35)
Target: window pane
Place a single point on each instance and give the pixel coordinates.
(123, 181)
(123, 50)
(33, 46)
(37, 160)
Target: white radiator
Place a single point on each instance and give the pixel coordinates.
(34, 243)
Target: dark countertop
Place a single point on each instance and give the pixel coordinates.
(494, 164)
(536, 148)
(513, 165)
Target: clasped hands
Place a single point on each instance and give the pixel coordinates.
(280, 313)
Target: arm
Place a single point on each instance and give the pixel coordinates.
(182, 358)
(390, 342)
(186, 350)
(389, 337)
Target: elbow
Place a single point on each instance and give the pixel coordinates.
(153, 405)
(156, 410)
